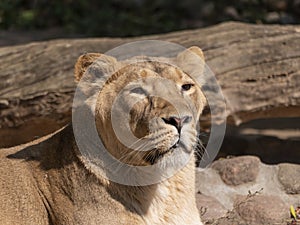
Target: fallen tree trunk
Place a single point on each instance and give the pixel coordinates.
(257, 66)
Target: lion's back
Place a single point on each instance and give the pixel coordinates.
(20, 202)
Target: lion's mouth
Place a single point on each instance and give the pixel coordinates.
(157, 154)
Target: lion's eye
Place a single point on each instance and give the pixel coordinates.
(186, 87)
(138, 90)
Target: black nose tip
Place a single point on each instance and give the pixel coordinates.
(177, 122)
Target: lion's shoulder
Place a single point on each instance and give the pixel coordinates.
(37, 144)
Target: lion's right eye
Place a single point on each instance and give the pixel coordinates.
(138, 90)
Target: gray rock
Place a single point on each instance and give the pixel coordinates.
(261, 209)
(272, 17)
(289, 177)
(210, 207)
(232, 12)
(237, 170)
(232, 219)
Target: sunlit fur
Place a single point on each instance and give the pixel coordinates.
(146, 116)
(49, 181)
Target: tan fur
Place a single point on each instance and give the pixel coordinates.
(83, 62)
(48, 181)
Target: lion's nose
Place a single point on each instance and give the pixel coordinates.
(177, 122)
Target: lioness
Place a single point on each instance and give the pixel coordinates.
(49, 181)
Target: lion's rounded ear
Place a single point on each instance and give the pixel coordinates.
(191, 61)
(83, 62)
(197, 51)
(189, 54)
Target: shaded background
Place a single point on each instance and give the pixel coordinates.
(27, 20)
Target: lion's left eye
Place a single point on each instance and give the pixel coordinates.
(186, 87)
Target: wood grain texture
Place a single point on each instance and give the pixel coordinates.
(257, 66)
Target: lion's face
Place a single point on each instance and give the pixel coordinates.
(168, 103)
(158, 103)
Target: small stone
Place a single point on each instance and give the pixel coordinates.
(238, 170)
(273, 17)
(232, 12)
(212, 207)
(262, 210)
(289, 177)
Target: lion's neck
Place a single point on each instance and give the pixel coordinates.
(162, 202)
(171, 200)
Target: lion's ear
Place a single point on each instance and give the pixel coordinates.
(191, 61)
(190, 56)
(83, 62)
(197, 51)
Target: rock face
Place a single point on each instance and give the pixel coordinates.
(237, 171)
(209, 207)
(244, 191)
(248, 60)
(289, 177)
(262, 209)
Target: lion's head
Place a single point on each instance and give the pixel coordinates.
(153, 103)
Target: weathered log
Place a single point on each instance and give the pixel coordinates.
(257, 66)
